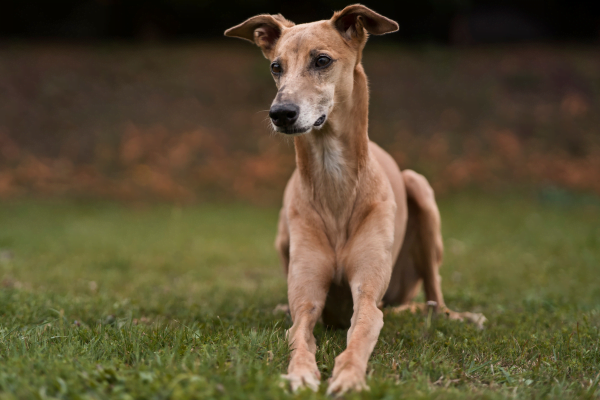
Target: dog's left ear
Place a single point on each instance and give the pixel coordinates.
(264, 30)
(353, 20)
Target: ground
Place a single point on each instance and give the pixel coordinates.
(101, 300)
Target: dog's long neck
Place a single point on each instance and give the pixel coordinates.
(330, 160)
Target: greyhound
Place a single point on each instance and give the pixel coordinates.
(354, 232)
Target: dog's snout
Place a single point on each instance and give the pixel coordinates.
(284, 115)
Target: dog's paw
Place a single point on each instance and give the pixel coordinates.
(347, 376)
(347, 380)
(303, 379)
(475, 318)
(281, 309)
(412, 308)
(303, 373)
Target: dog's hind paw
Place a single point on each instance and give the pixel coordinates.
(475, 318)
(281, 308)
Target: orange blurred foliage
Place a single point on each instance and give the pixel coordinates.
(188, 123)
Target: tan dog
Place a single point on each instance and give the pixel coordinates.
(353, 231)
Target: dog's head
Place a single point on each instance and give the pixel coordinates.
(312, 64)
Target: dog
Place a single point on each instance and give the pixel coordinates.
(354, 232)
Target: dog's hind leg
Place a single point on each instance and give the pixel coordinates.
(421, 255)
(406, 279)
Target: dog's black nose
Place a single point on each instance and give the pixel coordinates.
(284, 115)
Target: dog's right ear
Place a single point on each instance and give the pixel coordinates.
(353, 20)
(264, 30)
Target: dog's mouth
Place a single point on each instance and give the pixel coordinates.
(320, 121)
(293, 131)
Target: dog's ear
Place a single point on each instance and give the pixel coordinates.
(353, 20)
(264, 30)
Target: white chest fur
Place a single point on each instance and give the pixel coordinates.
(330, 158)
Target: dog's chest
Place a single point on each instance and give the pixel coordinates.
(334, 187)
(329, 158)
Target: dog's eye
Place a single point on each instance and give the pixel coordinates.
(323, 61)
(276, 68)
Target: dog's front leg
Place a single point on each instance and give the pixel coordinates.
(367, 321)
(368, 266)
(309, 278)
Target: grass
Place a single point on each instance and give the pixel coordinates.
(100, 300)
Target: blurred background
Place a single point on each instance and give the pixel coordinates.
(137, 100)
(140, 185)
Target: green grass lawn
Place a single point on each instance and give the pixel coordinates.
(99, 300)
